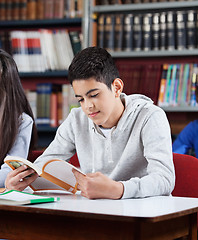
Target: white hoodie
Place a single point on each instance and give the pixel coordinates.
(137, 152)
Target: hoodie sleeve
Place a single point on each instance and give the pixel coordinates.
(157, 150)
(20, 147)
(63, 145)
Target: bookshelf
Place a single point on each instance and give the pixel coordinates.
(30, 79)
(128, 61)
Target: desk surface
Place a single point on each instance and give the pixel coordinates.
(143, 219)
(150, 209)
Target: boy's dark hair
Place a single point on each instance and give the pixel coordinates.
(93, 62)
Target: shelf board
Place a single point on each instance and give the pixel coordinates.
(44, 74)
(145, 7)
(152, 53)
(180, 109)
(41, 23)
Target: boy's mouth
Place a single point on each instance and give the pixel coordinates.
(93, 114)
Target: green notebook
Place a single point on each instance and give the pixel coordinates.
(14, 197)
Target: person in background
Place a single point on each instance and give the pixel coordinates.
(187, 140)
(123, 142)
(17, 127)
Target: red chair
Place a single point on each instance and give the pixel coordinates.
(186, 170)
(33, 155)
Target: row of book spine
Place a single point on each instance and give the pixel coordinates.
(150, 31)
(40, 9)
(51, 103)
(112, 2)
(42, 50)
(178, 85)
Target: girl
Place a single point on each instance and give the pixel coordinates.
(17, 126)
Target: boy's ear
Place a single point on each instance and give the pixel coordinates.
(117, 86)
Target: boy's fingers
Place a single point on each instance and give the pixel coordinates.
(18, 170)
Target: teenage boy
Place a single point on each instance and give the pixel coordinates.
(123, 142)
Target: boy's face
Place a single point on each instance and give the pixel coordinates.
(102, 105)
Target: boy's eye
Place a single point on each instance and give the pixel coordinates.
(95, 95)
(80, 100)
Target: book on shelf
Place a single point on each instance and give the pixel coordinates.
(191, 29)
(162, 85)
(118, 38)
(8, 6)
(177, 86)
(23, 10)
(2, 10)
(100, 30)
(162, 31)
(194, 83)
(15, 9)
(54, 174)
(40, 7)
(51, 103)
(58, 9)
(75, 38)
(109, 32)
(128, 32)
(180, 30)
(170, 30)
(45, 103)
(156, 31)
(14, 197)
(31, 9)
(137, 32)
(146, 31)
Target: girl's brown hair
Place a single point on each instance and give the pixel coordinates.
(13, 103)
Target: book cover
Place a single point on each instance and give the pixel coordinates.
(14, 197)
(54, 174)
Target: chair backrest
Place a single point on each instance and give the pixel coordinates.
(186, 170)
(33, 155)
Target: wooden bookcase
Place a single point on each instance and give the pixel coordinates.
(178, 117)
(30, 79)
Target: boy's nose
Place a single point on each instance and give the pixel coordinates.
(88, 104)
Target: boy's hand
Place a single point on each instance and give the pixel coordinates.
(20, 178)
(97, 185)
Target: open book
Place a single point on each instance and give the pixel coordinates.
(55, 174)
(14, 197)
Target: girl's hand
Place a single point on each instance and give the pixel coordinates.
(20, 178)
(97, 185)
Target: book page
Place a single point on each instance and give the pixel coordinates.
(60, 172)
(15, 162)
(18, 197)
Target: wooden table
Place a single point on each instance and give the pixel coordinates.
(75, 217)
